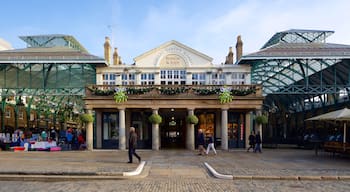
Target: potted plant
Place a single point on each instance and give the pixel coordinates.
(86, 118)
(192, 119)
(225, 96)
(120, 96)
(261, 119)
(155, 119)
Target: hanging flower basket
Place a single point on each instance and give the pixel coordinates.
(192, 119)
(225, 95)
(120, 95)
(86, 118)
(261, 119)
(155, 119)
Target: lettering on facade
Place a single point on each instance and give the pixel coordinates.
(172, 60)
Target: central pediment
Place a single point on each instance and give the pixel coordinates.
(173, 54)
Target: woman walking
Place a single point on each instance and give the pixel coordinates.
(211, 144)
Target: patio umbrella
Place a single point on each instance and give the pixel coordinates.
(339, 115)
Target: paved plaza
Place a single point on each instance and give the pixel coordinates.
(174, 170)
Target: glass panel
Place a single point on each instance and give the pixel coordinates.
(110, 126)
(206, 123)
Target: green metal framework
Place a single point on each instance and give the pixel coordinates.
(299, 62)
(301, 75)
(50, 75)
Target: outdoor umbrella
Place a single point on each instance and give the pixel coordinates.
(342, 115)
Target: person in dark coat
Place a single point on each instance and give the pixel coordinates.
(201, 142)
(133, 145)
(257, 143)
(251, 141)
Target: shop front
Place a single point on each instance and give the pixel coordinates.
(173, 131)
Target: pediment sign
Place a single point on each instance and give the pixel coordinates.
(172, 55)
(172, 60)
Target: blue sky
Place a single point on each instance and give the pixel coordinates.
(136, 26)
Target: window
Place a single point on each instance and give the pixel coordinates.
(20, 115)
(108, 79)
(173, 77)
(218, 79)
(128, 79)
(238, 78)
(147, 79)
(198, 79)
(8, 113)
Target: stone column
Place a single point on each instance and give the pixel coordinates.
(89, 133)
(248, 128)
(122, 140)
(155, 133)
(99, 125)
(259, 126)
(190, 132)
(224, 136)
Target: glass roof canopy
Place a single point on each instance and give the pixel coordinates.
(53, 70)
(299, 64)
(298, 36)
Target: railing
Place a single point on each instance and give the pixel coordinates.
(204, 90)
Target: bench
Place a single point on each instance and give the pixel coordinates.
(336, 147)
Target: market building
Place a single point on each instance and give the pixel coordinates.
(174, 81)
(42, 85)
(302, 75)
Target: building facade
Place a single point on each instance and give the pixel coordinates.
(174, 81)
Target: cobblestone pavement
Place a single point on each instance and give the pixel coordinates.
(280, 163)
(180, 170)
(65, 162)
(177, 185)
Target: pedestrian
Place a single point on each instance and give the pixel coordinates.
(257, 143)
(132, 145)
(69, 136)
(251, 141)
(211, 144)
(201, 142)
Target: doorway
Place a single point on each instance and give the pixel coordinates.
(173, 129)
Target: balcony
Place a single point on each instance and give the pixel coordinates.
(173, 91)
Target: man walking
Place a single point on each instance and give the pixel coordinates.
(201, 142)
(251, 141)
(132, 145)
(257, 143)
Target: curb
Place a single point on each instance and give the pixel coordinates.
(74, 176)
(137, 171)
(216, 174)
(274, 177)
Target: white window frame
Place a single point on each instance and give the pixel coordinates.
(173, 77)
(147, 79)
(198, 78)
(108, 79)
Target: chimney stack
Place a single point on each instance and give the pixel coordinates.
(120, 60)
(229, 57)
(239, 48)
(115, 57)
(107, 46)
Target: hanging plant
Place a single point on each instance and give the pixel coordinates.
(225, 95)
(120, 95)
(155, 119)
(192, 119)
(261, 119)
(86, 118)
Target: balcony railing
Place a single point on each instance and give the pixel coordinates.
(172, 90)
